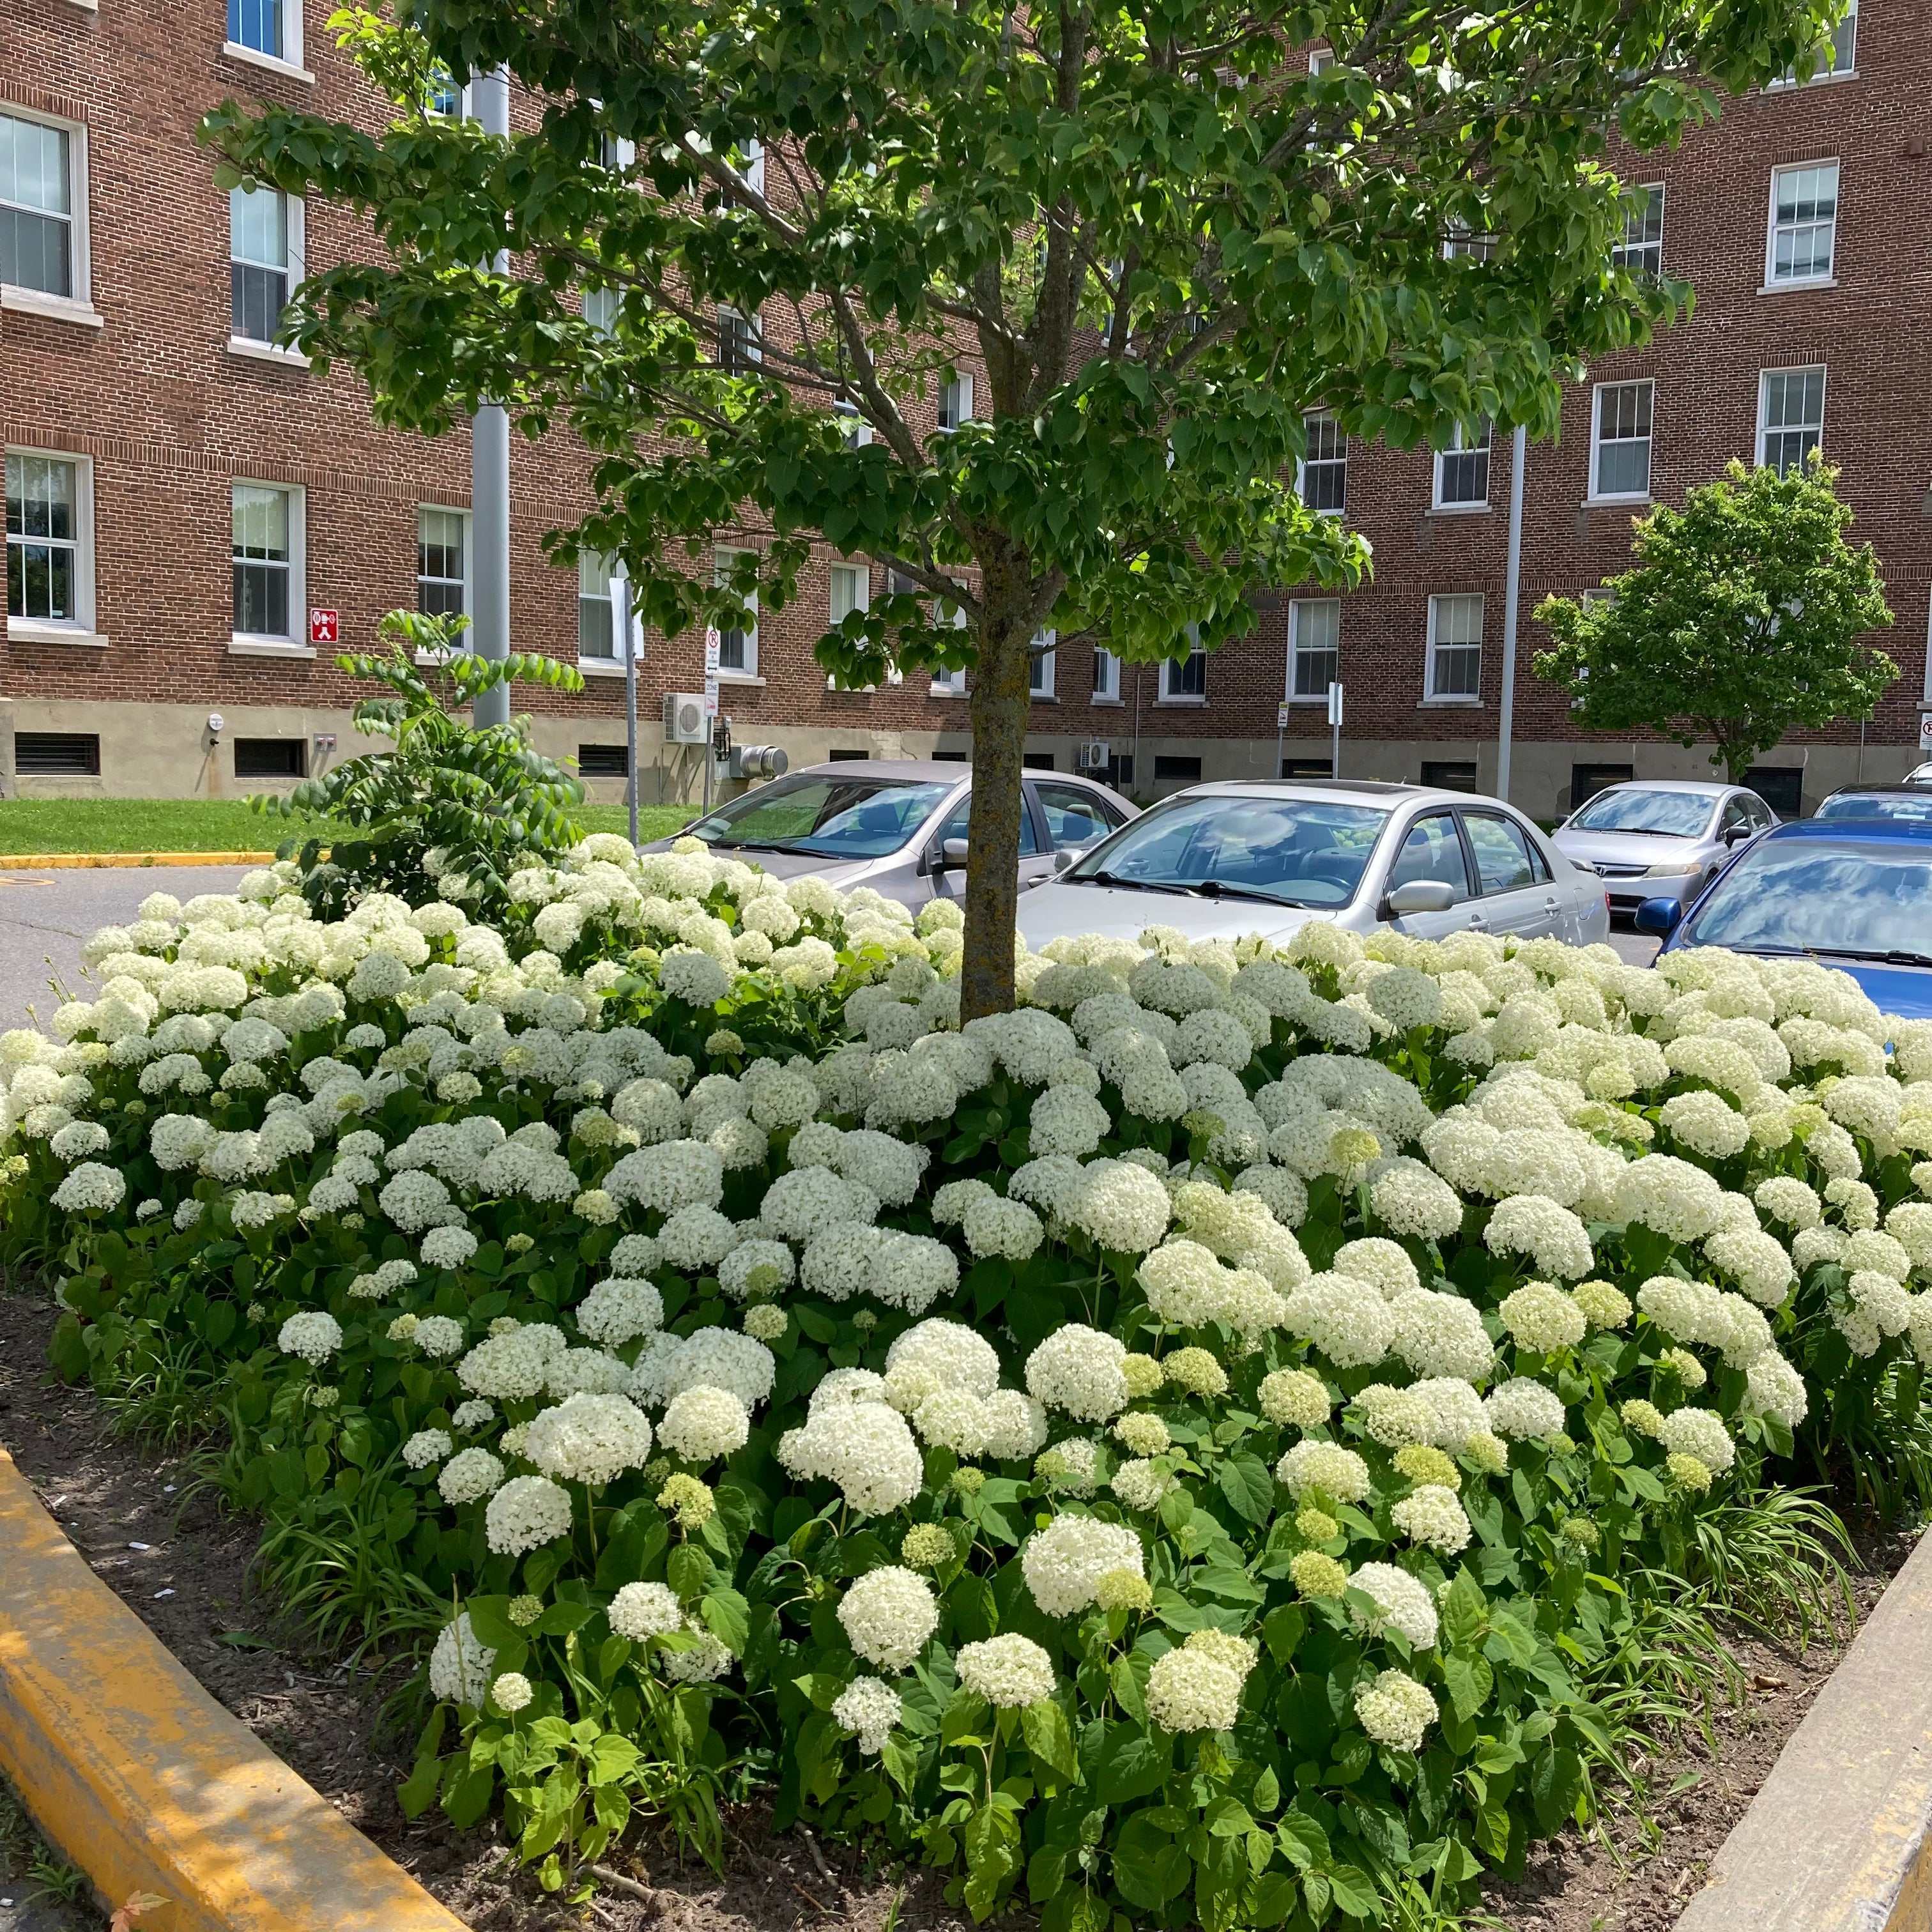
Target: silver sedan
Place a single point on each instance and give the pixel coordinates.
(1662, 838)
(899, 825)
(1224, 861)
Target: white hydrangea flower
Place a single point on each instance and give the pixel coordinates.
(868, 1706)
(619, 1308)
(702, 1423)
(887, 1615)
(1401, 1602)
(461, 1665)
(314, 1334)
(864, 1446)
(425, 1446)
(527, 1512)
(956, 1355)
(1553, 1237)
(91, 1188)
(469, 1475)
(1191, 1690)
(1541, 1317)
(1521, 1410)
(641, 1611)
(1010, 1671)
(1432, 1514)
(588, 1438)
(1077, 1369)
(1700, 1433)
(1063, 1562)
(1395, 1710)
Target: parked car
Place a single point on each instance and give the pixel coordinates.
(899, 826)
(1649, 838)
(1854, 893)
(1908, 802)
(1221, 861)
(1919, 775)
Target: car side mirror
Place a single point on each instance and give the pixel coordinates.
(1061, 860)
(1735, 835)
(951, 854)
(1660, 916)
(1419, 895)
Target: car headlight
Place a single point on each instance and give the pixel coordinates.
(1676, 869)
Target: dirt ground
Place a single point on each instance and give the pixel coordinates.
(184, 1570)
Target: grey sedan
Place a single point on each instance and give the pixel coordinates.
(1661, 838)
(900, 825)
(1265, 855)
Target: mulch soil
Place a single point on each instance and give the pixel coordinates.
(181, 1564)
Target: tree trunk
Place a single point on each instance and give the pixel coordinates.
(1001, 704)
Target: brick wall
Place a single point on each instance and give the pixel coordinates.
(168, 414)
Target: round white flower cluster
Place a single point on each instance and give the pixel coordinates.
(871, 1709)
(527, 1511)
(314, 1334)
(641, 1611)
(1010, 1671)
(1395, 1710)
(701, 1423)
(887, 1615)
(461, 1664)
(1062, 1563)
(588, 1438)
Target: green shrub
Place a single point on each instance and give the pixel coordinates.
(1225, 1444)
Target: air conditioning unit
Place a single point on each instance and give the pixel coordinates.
(685, 722)
(1092, 755)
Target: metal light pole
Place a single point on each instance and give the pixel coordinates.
(620, 618)
(1519, 444)
(490, 468)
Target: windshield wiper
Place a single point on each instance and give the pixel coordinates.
(1214, 889)
(1106, 878)
(1641, 831)
(1896, 956)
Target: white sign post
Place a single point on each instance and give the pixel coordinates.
(1335, 730)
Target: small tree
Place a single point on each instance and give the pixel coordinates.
(1738, 620)
(1153, 235)
(452, 802)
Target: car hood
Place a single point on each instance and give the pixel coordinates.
(1624, 848)
(1057, 911)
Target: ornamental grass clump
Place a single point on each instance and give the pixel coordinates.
(1240, 1383)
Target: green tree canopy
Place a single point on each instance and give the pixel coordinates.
(1738, 620)
(1157, 238)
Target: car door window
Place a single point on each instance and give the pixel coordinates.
(959, 826)
(1502, 854)
(1539, 866)
(1432, 849)
(1736, 815)
(1761, 815)
(1074, 815)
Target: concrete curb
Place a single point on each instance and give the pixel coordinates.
(40, 862)
(146, 1783)
(1836, 1839)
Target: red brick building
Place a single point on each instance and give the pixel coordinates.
(149, 425)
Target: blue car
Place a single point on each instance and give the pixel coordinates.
(1854, 893)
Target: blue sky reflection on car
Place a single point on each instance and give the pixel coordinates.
(1908, 808)
(1294, 851)
(1674, 815)
(1872, 900)
(829, 817)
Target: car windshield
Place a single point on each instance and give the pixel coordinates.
(1912, 808)
(1298, 851)
(1822, 896)
(825, 814)
(1681, 815)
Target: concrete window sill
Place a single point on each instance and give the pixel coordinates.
(27, 630)
(267, 63)
(1459, 509)
(269, 647)
(742, 677)
(1618, 502)
(600, 666)
(1799, 288)
(54, 308)
(1180, 704)
(267, 352)
(1113, 703)
(1452, 704)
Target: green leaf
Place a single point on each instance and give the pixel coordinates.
(1354, 1892)
(1150, 1867)
(1470, 1679)
(1050, 1738)
(728, 1617)
(1133, 1765)
(1249, 1484)
(1303, 1841)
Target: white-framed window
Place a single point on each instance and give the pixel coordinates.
(1456, 647)
(600, 309)
(1620, 439)
(49, 541)
(751, 165)
(265, 255)
(955, 402)
(1837, 58)
(43, 209)
(851, 590)
(443, 561)
(268, 544)
(448, 98)
(1106, 677)
(1041, 682)
(1323, 481)
(858, 432)
(270, 30)
(1803, 235)
(1184, 680)
(596, 610)
(1463, 469)
(740, 349)
(1320, 60)
(1463, 243)
(1314, 645)
(949, 683)
(738, 647)
(1642, 251)
(1790, 416)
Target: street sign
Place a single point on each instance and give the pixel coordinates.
(1281, 715)
(1335, 704)
(324, 627)
(711, 694)
(711, 646)
(1925, 730)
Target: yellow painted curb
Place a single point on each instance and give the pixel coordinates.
(146, 1783)
(44, 861)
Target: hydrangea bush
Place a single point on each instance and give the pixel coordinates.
(1189, 1448)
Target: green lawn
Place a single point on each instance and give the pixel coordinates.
(213, 825)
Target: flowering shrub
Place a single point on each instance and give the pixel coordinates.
(1191, 1447)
